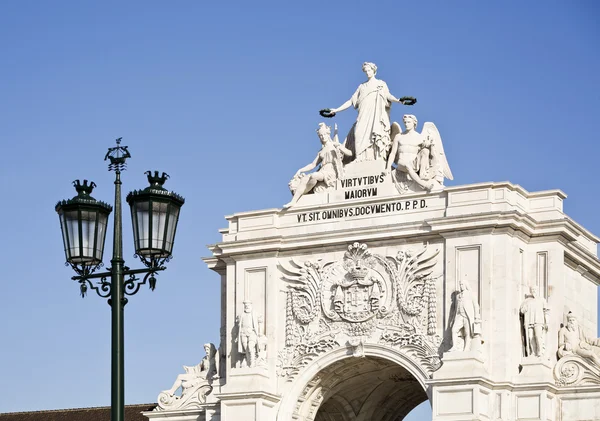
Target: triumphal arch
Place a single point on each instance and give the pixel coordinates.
(377, 287)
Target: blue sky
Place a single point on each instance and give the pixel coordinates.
(224, 96)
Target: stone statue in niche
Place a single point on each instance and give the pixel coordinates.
(329, 159)
(250, 338)
(465, 319)
(572, 340)
(420, 160)
(534, 313)
(369, 138)
(195, 384)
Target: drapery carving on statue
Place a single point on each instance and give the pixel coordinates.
(250, 338)
(579, 355)
(195, 384)
(419, 158)
(369, 138)
(365, 298)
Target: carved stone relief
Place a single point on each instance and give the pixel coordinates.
(365, 298)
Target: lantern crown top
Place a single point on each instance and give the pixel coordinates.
(85, 189)
(156, 181)
(155, 189)
(83, 197)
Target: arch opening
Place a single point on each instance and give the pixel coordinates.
(362, 389)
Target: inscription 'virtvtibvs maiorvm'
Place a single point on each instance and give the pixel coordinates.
(367, 182)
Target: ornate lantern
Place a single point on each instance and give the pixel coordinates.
(154, 216)
(83, 221)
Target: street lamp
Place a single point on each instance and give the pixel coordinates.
(83, 220)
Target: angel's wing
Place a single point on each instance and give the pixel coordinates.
(431, 132)
(395, 130)
(303, 280)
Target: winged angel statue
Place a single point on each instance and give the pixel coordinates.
(419, 157)
(365, 297)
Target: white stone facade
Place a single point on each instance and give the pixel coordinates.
(377, 288)
(352, 348)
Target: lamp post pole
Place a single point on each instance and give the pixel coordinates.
(83, 219)
(117, 303)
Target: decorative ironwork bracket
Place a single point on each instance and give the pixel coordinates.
(130, 286)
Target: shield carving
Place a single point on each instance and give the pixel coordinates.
(357, 295)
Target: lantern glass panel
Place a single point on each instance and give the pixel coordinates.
(84, 236)
(171, 226)
(159, 218)
(143, 225)
(101, 236)
(88, 231)
(72, 224)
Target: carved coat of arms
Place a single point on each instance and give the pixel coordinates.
(360, 293)
(365, 297)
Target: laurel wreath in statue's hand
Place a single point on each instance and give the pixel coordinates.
(408, 100)
(327, 113)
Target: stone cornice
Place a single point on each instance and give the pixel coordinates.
(459, 211)
(445, 227)
(252, 395)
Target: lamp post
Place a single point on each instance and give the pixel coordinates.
(83, 220)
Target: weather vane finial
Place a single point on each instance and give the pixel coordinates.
(117, 156)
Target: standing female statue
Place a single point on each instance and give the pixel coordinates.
(369, 137)
(329, 157)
